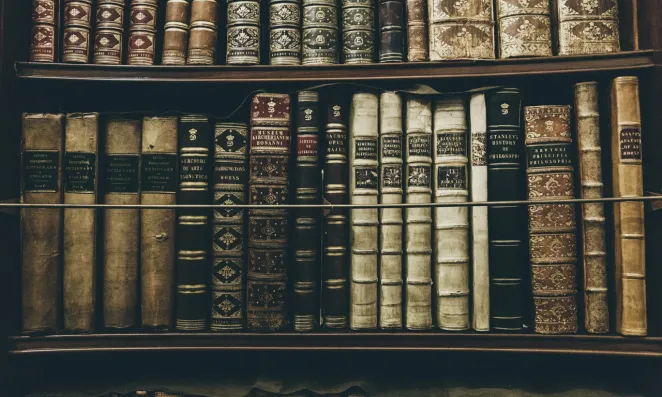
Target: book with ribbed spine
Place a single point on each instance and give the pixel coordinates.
(392, 31)
(243, 33)
(417, 31)
(76, 26)
(284, 32)
(142, 32)
(44, 33)
(109, 32)
(524, 28)
(319, 34)
(175, 32)
(358, 31)
(586, 27)
(203, 32)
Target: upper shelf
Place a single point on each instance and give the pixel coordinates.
(622, 61)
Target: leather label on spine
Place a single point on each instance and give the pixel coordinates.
(264, 137)
(307, 145)
(335, 143)
(366, 149)
(419, 145)
(392, 147)
(194, 168)
(366, 178)
(392, 176)
(548, 155)
(79, 172)
(159, 173)
(503, 147)
(452, 177)
(121, 173)
(452, 144)
(630, 141)
(418, 176)
(230, 172)
(41, 170)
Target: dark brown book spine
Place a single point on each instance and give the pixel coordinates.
(109, 32)
(391, 27)
(243, 39)
(44, 35)
(76, 26)
(417, 31)
(142, 32)
(204, 32)
(175, 34)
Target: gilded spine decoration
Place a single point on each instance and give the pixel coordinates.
(243, 46)
(392, 40)
(588, 27)
(417, 31)
(524, 28)
(109, 32)
(44, 34)
(358, 31)
(142, 32)
(285, 32)
(175, 32)
(203, 32)
(76, 31)
(319, 32)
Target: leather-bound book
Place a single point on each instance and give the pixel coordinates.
(44, 34)
(228, 234)
(629, 242)
(203, 32)
(451, 184)
(284, 32)
(588, 27)
(193, 227)
(41, 228)
(363, 189)
(524, 28)
(80, 224)
(417, 31)
(108, 35)
(267, 302)
(358, 31)
(390, 219)
(175, 32)
(142, 32)
(592, 222)
(335, 269)
(552, 227)
(158, 186)
(76, 26)
(319, 32)
(392, 30)
(460, 29)
(243, 46)
(121, 226)
(418, 185)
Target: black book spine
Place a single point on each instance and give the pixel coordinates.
(319, 32)
(391, 27)
(358, 31)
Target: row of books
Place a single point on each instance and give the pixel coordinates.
(315, 32)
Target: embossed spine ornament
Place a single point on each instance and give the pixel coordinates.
(552, 227)
(358, 31)
(243, 46)
(175, 32)
(44, 34)
(524, 28)
(142, 32)
(320, 32)
(588, 27)
(417, 31)
(109, 32)
(76, 31)
(285, 32)
(203, 32)
(391, 27)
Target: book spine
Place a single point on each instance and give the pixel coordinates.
(552, 227)
(228, 234)
(319, 32)
(390, 219)
(358, 31)
(363, 182)
(465, 31)
(121, 227)
(629, 239)
(588, 28)
(391, 27)
(109, 32)
(80, 224)
(193, 259)
(417, 31)
(268, 230)
(243, 41)
(44, 34)
(158, 186)
(524, 28)
(76, 27)
(480, 287)
(285, 32)
(41, 228)
(335, 296)
(589, 162)
(418, 242)
(142, 32)
(175, 32)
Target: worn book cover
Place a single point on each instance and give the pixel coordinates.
(44, 34)
(588, 27)
(320, 32)
(417, 31)
(358, 31)
(243, 33)
(284, 32)
(175, 32)
(392, 32)
(524, 28)
(109, 32)
(142, 32)
(77, 22)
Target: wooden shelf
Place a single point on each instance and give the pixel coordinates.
(623, 61)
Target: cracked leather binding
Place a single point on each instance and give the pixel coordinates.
(417, 31)
(203, 35)
(243, 37)
(524, 28)
(391, 28)
(142, 32)
(175, 32)
(76, 26)
(44, 34)
(588, 27)
(358, 31)
(320, 32)
(109, 32)
(285, 32)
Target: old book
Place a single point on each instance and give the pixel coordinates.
(629, 241)
(108, 35)
(158, 186)
(76, 25)
(418, 229)
(524, 28)
(44, 34)
(243, 46)
(588, 27)
(175, 32)
(592, 222)
(390, 219)
(121, 227)
(41, 228)
(142, 32)
(391, 27)
(230, 179)
(480, 250)
(358, 31)
(193, 224)
(460, 30)
(451, 184)
(284, 32)
(417, 31)
(80, 224)
(319, 32)
(552, 227)
(363, 189)
(267, 302)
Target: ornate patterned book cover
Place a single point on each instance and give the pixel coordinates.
(461, 29)
(193, 224)
(524, 28)
(268, 230)
(142, 32)
(629, 236)
(44, 34)
(589, 163)
(109, 29)
(319, 32)
(203, 32)
(588, 26)
(358, 31)
(76, 25)
(243, 39)
(552, 227)
(285, 32)
(175, 32)
(159, 174)
(418, 188)
(80, 176)
(392, 30)
(42, 142)
(228, 232)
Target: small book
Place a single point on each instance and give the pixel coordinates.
(142, 32)
(524, 28)
(417, 31)
(358, 31)
(588, 27)
(109, 32)
(284, 32)
(392, 31)
(460, 29)
(175, 32)
(243, 46)
(319, 32)
(76, 26)
(44, 34)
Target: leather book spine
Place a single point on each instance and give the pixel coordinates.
(390, 219)
(76, 26)
(319, 32)
(285, 32)
(158, 186)
(193, 224)
(552, 227)
(335, 269)
(586, 27)
(363, 185)
(418, 188)
(228, 233)
(175, 32)
(461, 30)
(451, 183)
(243, 40)
(268, 230)
(80, 224)
(524, 28)
(589, 162)
(358, 31)
(44, 34)
(203, 32)
(480, 250)
(629, 238)
(142, 32)
(41, 228)
(417, 31)
(391, 27)
(507, 223)
(109, 32)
